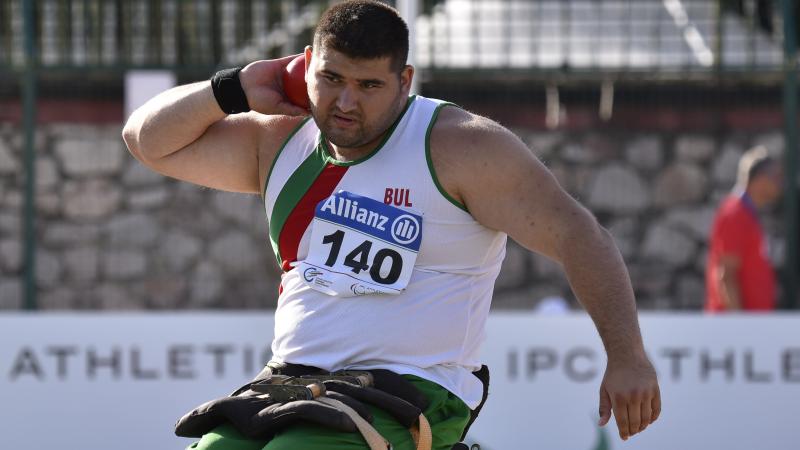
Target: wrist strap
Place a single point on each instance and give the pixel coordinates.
(228, 91)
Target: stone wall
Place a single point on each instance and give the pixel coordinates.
(113, 235)
(657, 194)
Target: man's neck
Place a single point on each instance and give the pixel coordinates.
(346, 154)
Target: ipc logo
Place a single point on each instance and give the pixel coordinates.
(405, 229)
(311, 273)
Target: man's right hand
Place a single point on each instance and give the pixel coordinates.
(183, 133)
(261, 81)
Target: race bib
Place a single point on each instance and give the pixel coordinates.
(360, 246)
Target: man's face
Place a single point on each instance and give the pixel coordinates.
(774, 174)
(771, 182)
(354, 101)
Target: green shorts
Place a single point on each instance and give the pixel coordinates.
(447, 414)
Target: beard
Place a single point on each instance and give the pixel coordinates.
(365, 132)
(357, 136)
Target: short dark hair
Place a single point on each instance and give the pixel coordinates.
(364, 29)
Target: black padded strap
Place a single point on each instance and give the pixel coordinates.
(483, 375)
(392, 383)
(402, 411)
(293, 370)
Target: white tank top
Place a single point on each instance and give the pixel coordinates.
(434, 326)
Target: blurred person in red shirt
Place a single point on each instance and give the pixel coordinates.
(739, 275)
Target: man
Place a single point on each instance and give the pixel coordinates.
(388, 215)
(738, 272)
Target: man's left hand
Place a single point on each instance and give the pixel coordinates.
(630, 389)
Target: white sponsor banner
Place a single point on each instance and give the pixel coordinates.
(119, 381)
(728, 383)
(100, 381)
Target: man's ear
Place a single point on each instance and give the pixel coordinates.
(406, 76)
(307, 52)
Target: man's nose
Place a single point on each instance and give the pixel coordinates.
(347, 99)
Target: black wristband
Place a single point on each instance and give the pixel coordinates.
(228, 91)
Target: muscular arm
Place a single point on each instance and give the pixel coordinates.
(184, 134)
(506, 188)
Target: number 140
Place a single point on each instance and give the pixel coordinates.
(358, 259)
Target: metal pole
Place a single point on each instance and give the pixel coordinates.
(409, 10)
(718, 41)
(29, 125)
(790, 154)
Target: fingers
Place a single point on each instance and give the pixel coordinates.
(646, 413)
(290, 109)
(285, 60)
(634, 413)
(620, 406)
(656, 405)
(605, 407)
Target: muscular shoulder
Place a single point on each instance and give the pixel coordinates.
(459, 130)
(273, 131)
(466, 147)
(503, 185)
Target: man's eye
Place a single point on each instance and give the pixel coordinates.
(370, 85)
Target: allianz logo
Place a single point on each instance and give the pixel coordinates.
(405, 229)
(344, 207)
